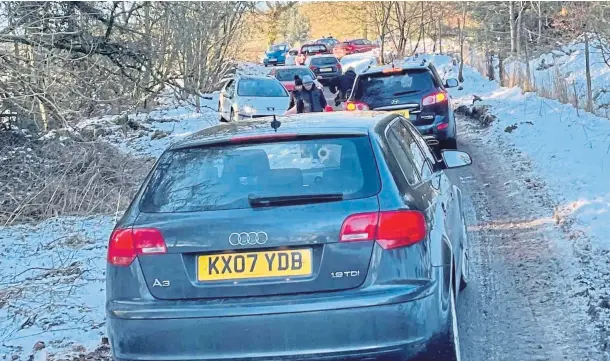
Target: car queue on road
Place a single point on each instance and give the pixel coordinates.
(330, 234)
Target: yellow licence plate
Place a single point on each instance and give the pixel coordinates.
(231, 266)
(404, 113)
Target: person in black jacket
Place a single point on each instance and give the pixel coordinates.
(341, 85)
(310, 99)
(298, 86)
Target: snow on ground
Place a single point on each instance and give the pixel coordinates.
(569, 154)
(151, 133)
(568, 62)
(52, 285)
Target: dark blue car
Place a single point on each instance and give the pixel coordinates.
(276, 55)
(413, 87)
(242, 245)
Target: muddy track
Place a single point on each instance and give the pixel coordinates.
(523, 301)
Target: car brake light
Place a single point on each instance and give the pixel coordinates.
(434, 98)
(442, 126)
(262, 137)
(126, 244)
(339, 67)
(391, 70)
(393, 229)
(313, 68)
(353, 105)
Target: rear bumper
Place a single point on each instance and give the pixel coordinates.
(391, 330)
(327, 76)
(270, 62)
(431, 131)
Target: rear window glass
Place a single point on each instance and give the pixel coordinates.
(260, 88)
(288, 74)
(274, 48)
(313, 49)
(220, 178)
(327, 60)
(374, 87)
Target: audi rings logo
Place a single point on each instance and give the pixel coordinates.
(248, 238)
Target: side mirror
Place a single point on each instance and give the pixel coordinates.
(452, 83)
(456, 158)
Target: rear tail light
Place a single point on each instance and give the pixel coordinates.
(126, 244)
(393, 229)
(313, 68)
(442, 126)
(353, 105)
(434, 98)
(339, 67)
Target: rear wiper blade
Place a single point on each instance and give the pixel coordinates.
(286, 200)
(406, 92)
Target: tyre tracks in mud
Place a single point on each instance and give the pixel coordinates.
(523, 301)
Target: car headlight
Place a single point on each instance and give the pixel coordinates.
(248, 110)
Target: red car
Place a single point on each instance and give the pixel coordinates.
(286, 75)
(311, 49)
(353, 46)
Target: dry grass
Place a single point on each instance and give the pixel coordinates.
(43, 179)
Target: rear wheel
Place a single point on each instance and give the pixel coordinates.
(222, 118)
(449, 346)
(465, 269)
(450, 143)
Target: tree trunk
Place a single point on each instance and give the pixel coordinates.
(461, 32)
(440, 34)
(529, 84)
(539, 23)
(421, 25)
(518, 29)
(511, 21)
(588, 75)
(500, 68)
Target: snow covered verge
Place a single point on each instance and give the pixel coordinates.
(52, 289)
(560, 74)
(568, 156)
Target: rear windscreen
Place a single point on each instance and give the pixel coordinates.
(374, 87)
(328, 60)
(223, 177)
(288, 74)
(260, 88)
(313, 49)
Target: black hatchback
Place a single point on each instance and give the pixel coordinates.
(413, 87)
(338, 236)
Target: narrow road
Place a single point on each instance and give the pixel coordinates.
(522, 302)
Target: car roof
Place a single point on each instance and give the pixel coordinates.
(404, 65)
(255, 77)
(324, 123)
(314, 44)
(321, 56)
(289, 67)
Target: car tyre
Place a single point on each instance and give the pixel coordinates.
(450, 143)
(449, 346)
(465, 268)
(222, 119)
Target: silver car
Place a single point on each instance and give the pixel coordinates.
(245, 97)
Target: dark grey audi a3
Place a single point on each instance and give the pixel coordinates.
(334, 236)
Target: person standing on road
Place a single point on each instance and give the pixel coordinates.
(310, 99)
(341, 85)
(298, 86)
